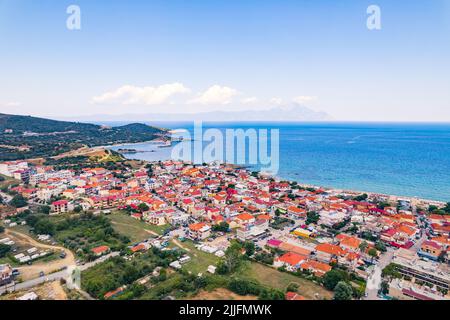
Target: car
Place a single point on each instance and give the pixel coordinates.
(41, 274)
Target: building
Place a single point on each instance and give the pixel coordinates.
(199, 231)
(291, 261)
(8, 168)
(430, 250)
(6, 275)
(101, 250)
(60, 206)
(430, 272)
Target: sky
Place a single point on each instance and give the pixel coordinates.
(176, 56)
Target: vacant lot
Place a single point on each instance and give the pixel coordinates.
(199, 260)
(134, 229)
(221, 294)
(280, 280)
(47, 291)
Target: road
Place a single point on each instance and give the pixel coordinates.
(374, 280)
(49, 267)
(32, 272)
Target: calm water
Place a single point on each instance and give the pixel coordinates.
(399, 159)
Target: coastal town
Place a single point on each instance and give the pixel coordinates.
(180, 230)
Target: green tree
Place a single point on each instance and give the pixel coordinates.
(380, 246)
(343, 291)
(18, 201)
(333, 277)
(2, 229)
(44, 226)
(77, 209)
(361, 197)
(363, 246)
(391, 271)
(4, 250)
(44, 209)
(249, 247)
(143, 207)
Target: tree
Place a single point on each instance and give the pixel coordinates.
(343, 291)
(18, 201)
(312, 217)
(44, 226)
(44, 209)
(380, 246)
(231, 260)
(249, 247)
(143, 207)
(223, 227)
(363, 246)
(2, 229)
(333, 277)
(4, 249)
(391, 271)
(447, 208)
(361, 197)
(77, 209)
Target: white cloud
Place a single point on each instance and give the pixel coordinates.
(11, 104)
(250, 100)
(276, 101)
(304, 99)
(133, 95)
(215, 95)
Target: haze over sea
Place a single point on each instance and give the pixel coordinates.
(404, 159)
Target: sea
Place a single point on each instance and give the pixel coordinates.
(403, 159)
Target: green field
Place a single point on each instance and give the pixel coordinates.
(280, 280)
(134, 229)
(199, 260)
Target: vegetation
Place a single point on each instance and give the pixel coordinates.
(117, 272)
(4, 250)
(312, 217)
(79, 233)
(51, 137)
(343, 291)
(390, 271)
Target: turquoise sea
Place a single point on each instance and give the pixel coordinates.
(405, 159)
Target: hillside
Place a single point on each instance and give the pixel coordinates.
(23, 137)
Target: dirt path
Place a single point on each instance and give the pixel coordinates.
(31, 272)
(178, 243)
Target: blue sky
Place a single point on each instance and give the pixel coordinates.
(193, 56)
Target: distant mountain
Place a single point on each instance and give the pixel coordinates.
(30, 137)
(293, 112)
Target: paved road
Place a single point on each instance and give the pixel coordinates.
(374, 280)
(53, 276)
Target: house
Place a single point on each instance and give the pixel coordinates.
(6, 275)
(245, 219)
(61, 206)
(326, 252)
(317, 268)
(199, 231)
(101, 250)
(348, 242)
(291, 261)
(296, 213)
(430, 250)
(293, 296)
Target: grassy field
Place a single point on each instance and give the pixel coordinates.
(280, 280)
(134, 229)
(199, 260)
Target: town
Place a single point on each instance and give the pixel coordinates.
(171, 230)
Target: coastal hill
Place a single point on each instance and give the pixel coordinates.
(24, 137)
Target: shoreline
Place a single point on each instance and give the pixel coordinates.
(303, 184)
